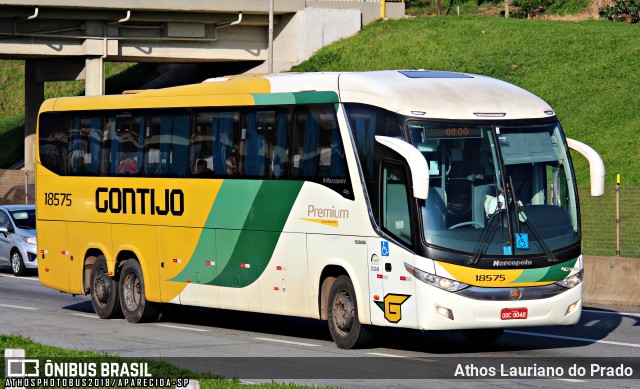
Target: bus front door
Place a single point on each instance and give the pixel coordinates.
(392, 289)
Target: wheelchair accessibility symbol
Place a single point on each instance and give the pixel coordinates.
(384, 249)
(522, 241)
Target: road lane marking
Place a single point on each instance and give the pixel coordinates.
(571, 380)
(592, 323)
(87, 315)
(288, 342)
(612, 313)
(18, 307)
(572, 338)
(21, 278)
(387, 355)
(182, 327)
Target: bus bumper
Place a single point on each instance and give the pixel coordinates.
(442, 310)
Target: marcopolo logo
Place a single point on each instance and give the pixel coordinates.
(523, 262)
(143, 201)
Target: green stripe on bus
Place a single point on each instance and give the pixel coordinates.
(262, 228)
(295, 98)
(274, 99)
(244, 226)
(552, 273)
(316, 97)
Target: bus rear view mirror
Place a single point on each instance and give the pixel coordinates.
(596, 165)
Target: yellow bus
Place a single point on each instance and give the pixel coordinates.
(418, 199)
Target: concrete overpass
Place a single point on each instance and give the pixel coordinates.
(72, 39)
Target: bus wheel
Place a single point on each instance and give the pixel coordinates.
(134, 305)
(104, 291)
(344, 326)
(484, 335)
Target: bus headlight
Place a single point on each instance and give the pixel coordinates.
(433, 280)
(571, 280)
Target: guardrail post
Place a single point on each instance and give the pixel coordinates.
(618, 215)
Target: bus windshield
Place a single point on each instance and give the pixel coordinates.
(497, 190)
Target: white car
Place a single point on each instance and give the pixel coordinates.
(18, 245)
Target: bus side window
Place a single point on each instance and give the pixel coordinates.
(84, 145)
(212, 145)
(166, 144)
(53, 128)
(317, 144)
(124, 134)
(395, 202)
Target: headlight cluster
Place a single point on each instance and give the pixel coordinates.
(434, 280)
(30, 239)
(572, 280)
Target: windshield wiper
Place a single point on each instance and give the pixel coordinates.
(486, 237)
(521, 217)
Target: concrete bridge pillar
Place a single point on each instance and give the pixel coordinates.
(39, 71)
(94, 76)
(33, 98)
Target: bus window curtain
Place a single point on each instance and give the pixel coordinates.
(254, 161)
(75, 147)
(94, 146)
(222, 126)
(115, 146)
(311, 136)
(280, 145)
(140, 152)
(365, 138)
(166, 123)
(337, 151)
(179, 144)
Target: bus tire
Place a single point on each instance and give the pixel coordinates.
(483, 335)
(104, 291)
(345, 328)
(134, 304)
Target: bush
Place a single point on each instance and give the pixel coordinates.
(526, 8)
(627, 11)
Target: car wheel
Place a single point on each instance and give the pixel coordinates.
(134, 304)
(344, 326)
(104, 291)
(17, 264)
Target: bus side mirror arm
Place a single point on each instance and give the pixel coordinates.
(596, 165)
(417, 164)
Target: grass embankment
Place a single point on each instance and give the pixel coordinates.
(160, 369)
(588, 71)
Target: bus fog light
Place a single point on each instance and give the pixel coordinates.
(572, 308)
(446, 312)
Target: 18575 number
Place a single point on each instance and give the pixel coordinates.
(57, 199)
(490, 277)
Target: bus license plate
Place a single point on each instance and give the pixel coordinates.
(514, 313)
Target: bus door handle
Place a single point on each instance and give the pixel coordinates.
(387, 267)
